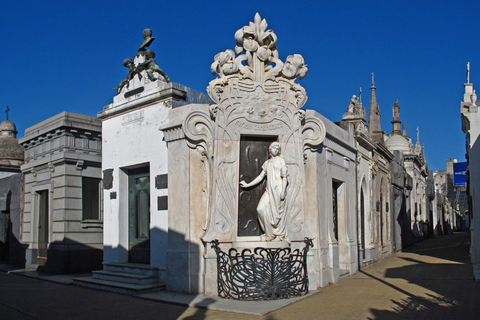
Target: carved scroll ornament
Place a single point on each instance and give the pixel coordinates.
(313, 133)
(199, 130)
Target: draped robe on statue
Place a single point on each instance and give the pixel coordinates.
(271, 208)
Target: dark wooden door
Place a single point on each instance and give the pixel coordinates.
(42, 227)
(253, 153)
(139, 216)
(335, 186)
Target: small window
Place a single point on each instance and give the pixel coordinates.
(91, 198)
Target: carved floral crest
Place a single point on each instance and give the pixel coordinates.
(257, 74)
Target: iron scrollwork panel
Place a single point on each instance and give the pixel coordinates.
(262, 274)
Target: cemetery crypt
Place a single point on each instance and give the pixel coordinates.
(245, 165)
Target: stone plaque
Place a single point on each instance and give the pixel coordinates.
(162, 203)
(108, 179)
(161, 181)
(134, 92)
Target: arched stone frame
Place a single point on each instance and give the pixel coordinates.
(415, 203)
(386, 227)
(364, 217)
(424, 209)
(381, 216)
(341, 241)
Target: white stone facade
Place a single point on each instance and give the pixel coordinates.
(132, 141)
(471, 126)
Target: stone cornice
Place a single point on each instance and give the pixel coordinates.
(383, 150)
(29, 168)
(364, 140)
(161, 94)
(173, 133)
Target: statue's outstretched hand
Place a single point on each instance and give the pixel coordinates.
(243, 184)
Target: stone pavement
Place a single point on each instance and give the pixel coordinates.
(430, 280)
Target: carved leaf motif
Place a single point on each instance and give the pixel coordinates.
(221, 221)
(294, 200)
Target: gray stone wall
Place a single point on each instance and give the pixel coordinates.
(59, 152)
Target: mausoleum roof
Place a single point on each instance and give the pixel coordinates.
(11, 152)
(8, 128)
(397, 142)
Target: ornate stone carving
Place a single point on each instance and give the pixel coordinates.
(143, 62)
(396, 110)
(132, 71)
(313, 133)
(255, 94)
(150, 66)
(473, 97)
(258, 70)
(355, 110)
(360, 127)
(198, 129)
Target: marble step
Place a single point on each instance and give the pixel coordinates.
(118, 287)
(123, 277)
(131, 268)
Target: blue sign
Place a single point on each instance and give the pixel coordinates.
(460, 174)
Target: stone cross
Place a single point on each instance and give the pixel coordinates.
(468, 72)
(6, 111)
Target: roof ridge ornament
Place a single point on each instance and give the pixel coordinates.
(143, 68)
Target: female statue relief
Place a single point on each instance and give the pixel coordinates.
(271, 207)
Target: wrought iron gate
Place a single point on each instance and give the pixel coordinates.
(264, 274)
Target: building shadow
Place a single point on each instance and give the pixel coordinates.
(450, 291)
(12, 251)
(180, 265)
(69, 256)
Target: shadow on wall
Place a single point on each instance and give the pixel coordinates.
(404, 221)
(183, 259)
(69, 256)
(12, 251)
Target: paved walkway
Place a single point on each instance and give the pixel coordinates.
(431, 280)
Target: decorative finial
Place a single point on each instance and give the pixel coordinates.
(373, 79)
(6, 111)
(418, 135)
(468, 72)
(360, 95)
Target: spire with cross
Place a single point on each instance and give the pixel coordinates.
(6, 111)
(468, 72)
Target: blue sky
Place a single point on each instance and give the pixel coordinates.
(67, 55)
